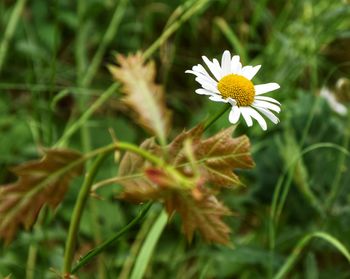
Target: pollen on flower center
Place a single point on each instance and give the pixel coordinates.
(238, 88)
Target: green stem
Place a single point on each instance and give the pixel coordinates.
(106, 40)
(335, 188)
(97, 250)
(78, 212)
(84, 117)
(173, 27)
(292, 258)
(85, 190)
(216, 116)
(231, 37)
(10, 30)
(31, 261)
(136, 246)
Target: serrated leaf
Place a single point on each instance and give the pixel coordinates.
(208, 161)
(39, 182)
(142, 94)
(217, 156)
(203, 214)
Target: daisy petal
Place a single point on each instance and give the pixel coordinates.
(206, 84)
(234, 115)
(232, 102)
(264, 88)
(217, 98)
(249, 72)
(213, 67)
(269, 99)
(205, 79)
(199, 68)
(263, 104)
(253, 113)
(202, 91)
(217, 65)
(196, 73)
(236, 66)
(274, 119)
(246, 116)
(199, 71)
(226, 62)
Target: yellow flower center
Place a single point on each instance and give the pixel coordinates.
(238, 88)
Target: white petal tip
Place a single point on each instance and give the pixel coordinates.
(232, 102)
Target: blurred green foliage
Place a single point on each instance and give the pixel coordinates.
(297, 42)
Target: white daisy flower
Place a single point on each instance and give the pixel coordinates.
(231, 83)
(333, 102)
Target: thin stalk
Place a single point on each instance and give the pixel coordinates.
(144, 256)
(31, 261)
(335, 187)
(10, 30)
(136, 246)
(231, 37)
(78, 212)
(216, 116)
(85, 190)
(97, 233)
(174, 26)
(85, 116)
(292, 258)
(97, 250)
(109, 35)
(33, 248)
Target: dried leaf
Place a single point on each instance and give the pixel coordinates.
(39, 182)
(142, 94)
(217, 156)
(213, 161)
(138, 189)
(204, 214)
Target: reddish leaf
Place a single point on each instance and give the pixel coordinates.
(204, 214)
(210, 160)
(216, 156)
(142, 94)
(40, 182)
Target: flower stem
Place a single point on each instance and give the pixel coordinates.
(85, 190)
(94, 252)
(81, 121)
(216, 116)
(78, 212)
(10, 30)
(174, 26)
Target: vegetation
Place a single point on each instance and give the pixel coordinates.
(91, 156)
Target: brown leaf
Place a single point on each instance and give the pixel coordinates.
(204, 214)
(39, 182)
(216, 156)
(142, 94)
(210, 160)
(139, 188)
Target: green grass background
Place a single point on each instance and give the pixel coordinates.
(293, 218)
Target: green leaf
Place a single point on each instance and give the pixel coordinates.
(148, 246)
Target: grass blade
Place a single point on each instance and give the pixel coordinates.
(291, 260)
(148, 247)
